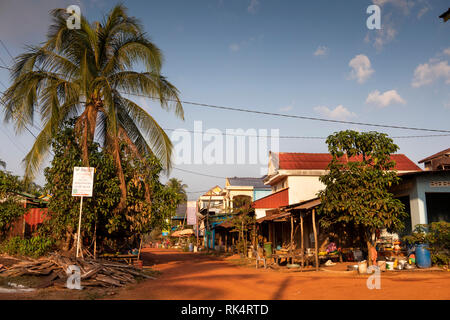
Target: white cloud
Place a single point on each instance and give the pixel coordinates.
(361, 68)
(338, 113)
(429, 72)
(447, 105)
(405, 5)
(234, 47)
(321, 51)
(447, 51)
(289, 107)
(422, 12)
(253, 6)
(383, 100)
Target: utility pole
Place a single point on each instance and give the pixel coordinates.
(207, 221)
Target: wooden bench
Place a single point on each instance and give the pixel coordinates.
(128, 258)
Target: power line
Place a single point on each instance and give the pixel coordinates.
(198, 173)
(294, 137)
(4, 46)
(292, 116)
(297, 117)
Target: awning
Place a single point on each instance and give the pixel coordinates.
(183, 233)
(274, 217)
(304, 205)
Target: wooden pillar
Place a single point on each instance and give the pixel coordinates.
(226, 241)
(292, 237)
(301, 240)
(315, 238)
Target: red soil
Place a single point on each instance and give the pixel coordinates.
(199, 277)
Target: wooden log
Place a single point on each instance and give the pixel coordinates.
(315, 238)
(91, 272)
(48, 281)
(109, 280)
(301, 240)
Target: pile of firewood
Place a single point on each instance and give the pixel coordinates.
(93, 272)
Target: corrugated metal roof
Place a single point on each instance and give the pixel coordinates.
(320, 161)
(274, 200)
(441, 153)
(248, 182)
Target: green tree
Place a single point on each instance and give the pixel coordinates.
(100, 222)
(243, 221)
(179, 187)
(10, 207)
(357, 185)
(85, 72)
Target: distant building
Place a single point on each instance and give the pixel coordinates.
(254, 188)
(426, 194)
(438, 161)
(294, 177)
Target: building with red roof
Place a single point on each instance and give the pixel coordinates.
(294, 177)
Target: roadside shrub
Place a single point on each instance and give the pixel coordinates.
(34, 247)
(437, 236)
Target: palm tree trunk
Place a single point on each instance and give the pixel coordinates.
(87, 123)
(123, 186)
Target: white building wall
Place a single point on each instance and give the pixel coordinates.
(260, 213)
(303, 188)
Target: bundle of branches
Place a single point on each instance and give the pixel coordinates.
(93, 272)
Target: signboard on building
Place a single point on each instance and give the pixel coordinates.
(191, 213)
(83, 181)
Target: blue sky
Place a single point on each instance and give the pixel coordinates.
(309, 58)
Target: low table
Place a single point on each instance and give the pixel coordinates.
(128, 258)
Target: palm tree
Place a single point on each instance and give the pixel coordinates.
(85, 73)
(179, 187)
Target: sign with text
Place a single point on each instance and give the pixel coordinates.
(191, 213)
(83, 181)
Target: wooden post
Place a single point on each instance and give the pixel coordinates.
(226, 241)
(292, 238)
(140, 247)
(207, 222)
(301, 240)
(315, 238)
(95, 241)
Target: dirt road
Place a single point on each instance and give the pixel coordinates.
(197, 277)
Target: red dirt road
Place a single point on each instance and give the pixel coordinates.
(197, 277)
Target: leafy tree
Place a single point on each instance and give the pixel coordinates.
(84, 73)
(436, 236)
(148, 201)
(10, 207)
(357, 185)
(64, 208)
(179, 187)
(243, 221)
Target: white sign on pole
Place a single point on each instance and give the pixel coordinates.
(83, 181)
(82, 185)
(191, 213)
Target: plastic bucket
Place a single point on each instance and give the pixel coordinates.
(268, 249)
(423, 257)
(362, 267)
